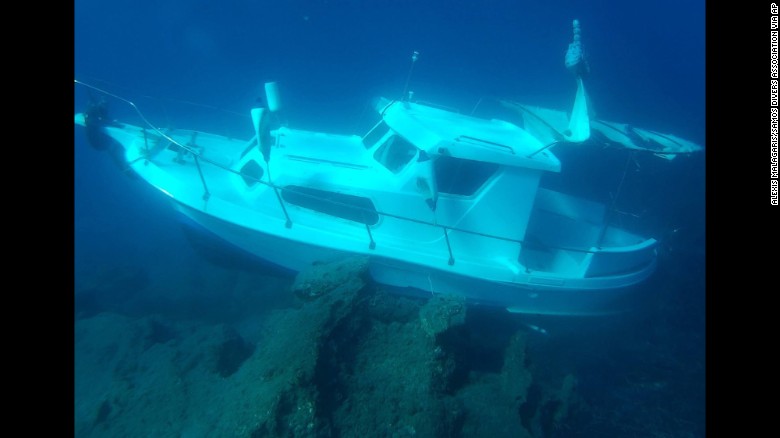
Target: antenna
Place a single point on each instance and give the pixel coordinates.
(405, 96)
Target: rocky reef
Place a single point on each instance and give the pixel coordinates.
(349, 360)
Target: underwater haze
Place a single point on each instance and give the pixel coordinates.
(176, 338)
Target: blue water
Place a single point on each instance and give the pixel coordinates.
(640, 375)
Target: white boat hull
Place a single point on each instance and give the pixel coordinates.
(537, 295)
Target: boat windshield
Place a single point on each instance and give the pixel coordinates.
(395, 153)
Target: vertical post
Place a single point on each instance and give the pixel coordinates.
(611, 210)
(288, 222)
(371, 244)
(451, 261)
(206, 194)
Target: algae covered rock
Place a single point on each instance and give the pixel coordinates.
(349, 360)
(442, 312)
(322, 278)
(229, 352)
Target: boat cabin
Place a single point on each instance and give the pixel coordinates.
(418, 171)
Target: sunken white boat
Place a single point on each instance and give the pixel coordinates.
(440, 202)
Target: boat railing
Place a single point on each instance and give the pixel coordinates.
(199, 159)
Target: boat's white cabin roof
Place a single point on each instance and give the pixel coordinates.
(441, 132)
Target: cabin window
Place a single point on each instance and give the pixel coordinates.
(375, 134)
(457, 176)
(350, 207)
(251, 173)
(395, 153)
